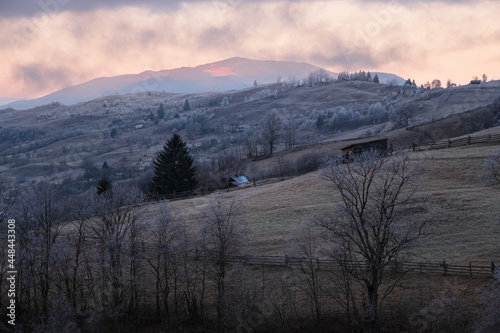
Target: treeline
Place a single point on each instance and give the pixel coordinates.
(123, 266)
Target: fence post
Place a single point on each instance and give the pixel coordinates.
(470, 268)
(445, 267)
(449, 143)
(286, 259)
(493, 268)
(421, 266)
(468, 140)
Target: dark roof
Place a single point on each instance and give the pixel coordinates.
(367, 143)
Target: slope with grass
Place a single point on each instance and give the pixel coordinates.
(466, 227)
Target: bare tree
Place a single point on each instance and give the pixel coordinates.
(281, 166)
(377, 218)
(491, 170)
(114, 219)
(166, 235)
(403, 113)
(7, 198)
(271, 131)
(223, 233)
(289, 126)
(306, 244)
(489, 313)
(43, 214)
(436, 84)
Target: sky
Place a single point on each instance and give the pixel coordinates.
(46, 45)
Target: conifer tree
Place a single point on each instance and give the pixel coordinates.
(104, 185)
(161, 111)
(187, 107)
(174, 171)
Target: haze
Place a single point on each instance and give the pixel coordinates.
(51, 44)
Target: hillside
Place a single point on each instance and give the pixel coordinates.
(275, 209)
(51, 142)
(160, 241)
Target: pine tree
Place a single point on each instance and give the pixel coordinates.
(104, 185)
(174, 171)
(151, 116)
(187, 107)
(319, 121)
(161, 111)
(376, 79)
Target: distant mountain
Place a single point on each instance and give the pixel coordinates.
(233, 73)
(7, 100)
(229, 74)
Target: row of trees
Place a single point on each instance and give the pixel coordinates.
(358, 76)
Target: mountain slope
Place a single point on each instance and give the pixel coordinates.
(233, 73)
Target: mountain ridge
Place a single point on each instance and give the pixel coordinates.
(224, 75)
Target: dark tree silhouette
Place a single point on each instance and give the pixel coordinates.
(161, 111)
(104, 185)
(187, 107)
(174, 171)
(376, 79)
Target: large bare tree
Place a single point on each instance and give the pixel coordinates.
(114, 223)
(223, 233)
(271, 126)
(491, 170)
(378, 217)
(166, 234)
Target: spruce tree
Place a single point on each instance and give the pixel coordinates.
(187, 107)
(104, 185)
(174, 171)
(161, 111)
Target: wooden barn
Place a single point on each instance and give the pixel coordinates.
(358, 148)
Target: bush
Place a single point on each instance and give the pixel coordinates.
(308, 162)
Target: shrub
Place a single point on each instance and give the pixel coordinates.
(308, 162)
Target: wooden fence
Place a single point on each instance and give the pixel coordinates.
(443, 267)
(449, 143)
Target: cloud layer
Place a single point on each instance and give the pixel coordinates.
(56, 43)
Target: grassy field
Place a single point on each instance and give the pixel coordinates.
(467, 228)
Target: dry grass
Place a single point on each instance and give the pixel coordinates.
(469, 233)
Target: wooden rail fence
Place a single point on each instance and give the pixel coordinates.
(326, 264)
(449, 143)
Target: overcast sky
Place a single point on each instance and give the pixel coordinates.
(47, 45)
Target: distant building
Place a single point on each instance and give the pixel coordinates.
(147, 158)
(475, 82)
(145, 162)
(358, 148)
(239, 180)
